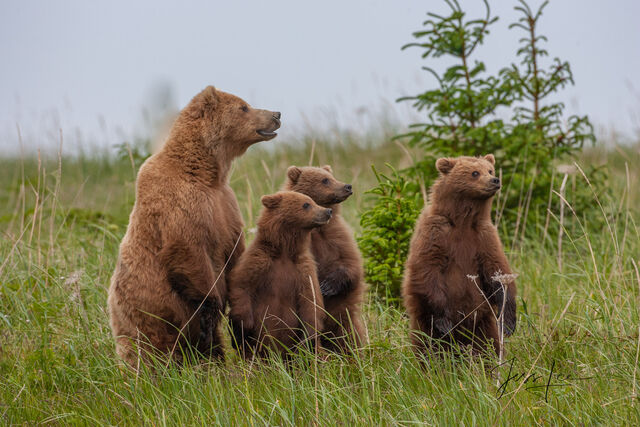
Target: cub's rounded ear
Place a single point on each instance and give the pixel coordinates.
(294, 173)
(328, 169)
(445, 164)
(271, 201)
(490, 158)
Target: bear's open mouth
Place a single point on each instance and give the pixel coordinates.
(266, 133)
(323, 221)
(270, 133)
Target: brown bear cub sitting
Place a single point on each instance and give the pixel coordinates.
(340, 270)
(453, 287)
(274, 295)
(185, 231)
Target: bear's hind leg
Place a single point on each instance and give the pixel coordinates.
(210, 340)
(345, 333)
(487, 334)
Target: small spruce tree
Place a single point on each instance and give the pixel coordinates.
(461, 119)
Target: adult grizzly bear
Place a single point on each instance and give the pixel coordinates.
(185, 231)
(273, 290)
(452, 285)
(340, 270)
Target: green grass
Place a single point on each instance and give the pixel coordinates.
(578, 327)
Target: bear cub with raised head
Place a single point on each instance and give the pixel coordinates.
(340, 269)
(457, 278)
(274, 294)
(185, 231)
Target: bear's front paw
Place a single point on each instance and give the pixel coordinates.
(207, 322)
(335, 283)
(443, 325)
(327, 290)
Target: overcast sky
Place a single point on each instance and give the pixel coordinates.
(90, 67)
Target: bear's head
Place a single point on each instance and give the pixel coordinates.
(294, 210)
(222, 117)
(319, 184)
(470, 177)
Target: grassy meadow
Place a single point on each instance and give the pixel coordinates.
(573, 359)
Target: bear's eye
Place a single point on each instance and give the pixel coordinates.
(245, 108)
(325, 181)
(490, 172)
(475, 174)
(306, 206)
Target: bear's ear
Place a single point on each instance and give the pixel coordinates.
(490, 158)
(204, 102)
(444, 165)
(271, 201)
(210, 97)
(328, 169)
(294, 173)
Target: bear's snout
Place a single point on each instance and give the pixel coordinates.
(323, 216)
(495, 182)
(342, 192)
(276, 118)
(327, 214)
(272, 121)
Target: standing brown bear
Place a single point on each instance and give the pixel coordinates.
(185, 231)
(340, 270)
(273, 290)
(456, 266)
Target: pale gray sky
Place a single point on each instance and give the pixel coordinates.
(89, 66)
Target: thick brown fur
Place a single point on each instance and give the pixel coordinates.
(340, 270)
(454, 241)
(273, 290)
(184, 227)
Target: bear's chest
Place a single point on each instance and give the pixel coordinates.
(324, 248)
(288, 277)
(463, 248)
(222, 224)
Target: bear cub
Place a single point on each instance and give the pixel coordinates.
(340, 268)
(457, 278)
(274, 294)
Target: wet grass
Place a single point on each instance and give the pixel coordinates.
(573, 358)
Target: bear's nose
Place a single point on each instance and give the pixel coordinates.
(276, 115)
(349, 188)
(495, 181)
